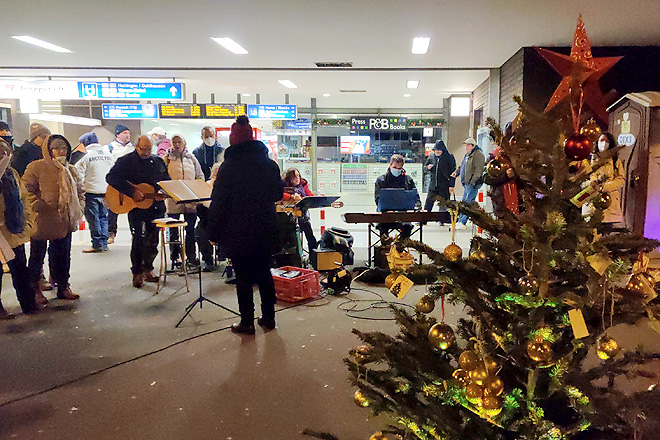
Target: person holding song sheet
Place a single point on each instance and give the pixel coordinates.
(182, 165)
(135, 168)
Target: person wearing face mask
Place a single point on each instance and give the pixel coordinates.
(17, 222)
(5, 134)
(395, 177)
(121, 146)
(56, 195)
(31, 148)
(182, 165)
(209, 152)
(609, 178)
(141, 166)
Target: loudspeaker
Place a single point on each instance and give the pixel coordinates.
(322, 259)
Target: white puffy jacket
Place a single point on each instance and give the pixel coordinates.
(93, 167)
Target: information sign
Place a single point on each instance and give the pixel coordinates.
(277, 111)
(129, 111)
(130, 90)
(224, 111)
(179, 111)
(354, 177)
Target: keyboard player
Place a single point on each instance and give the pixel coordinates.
(395, 177)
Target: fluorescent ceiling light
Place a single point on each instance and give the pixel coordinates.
(412, 84)
(326, 94)
(41, 43)
(406, 95)
(230, 45)
(420, 45)
(287, 83)
(459, 106)
(246, 94)
(66, 119)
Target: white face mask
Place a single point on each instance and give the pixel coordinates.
(4, 163)
(602, 146)
(209, 141)
(395, 172)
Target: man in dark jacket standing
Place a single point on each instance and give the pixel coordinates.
(242, 220)
(208, 153)
(395, 177)
(441, 165)
(134, 168)
(31, 148)
(471, 170)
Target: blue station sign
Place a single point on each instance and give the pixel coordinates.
(129, 111)
(130, 90)
(277, 111)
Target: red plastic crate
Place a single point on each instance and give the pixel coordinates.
(304, 286)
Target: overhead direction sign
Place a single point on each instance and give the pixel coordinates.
(129, 111)
(130, 90)
(276, 111)
(180, 111)
(224, 111)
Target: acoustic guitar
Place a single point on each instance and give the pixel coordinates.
(120, 203)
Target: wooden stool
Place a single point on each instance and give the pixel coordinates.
(164, 225)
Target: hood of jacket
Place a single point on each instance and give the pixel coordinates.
(47, 151)
(245, 150)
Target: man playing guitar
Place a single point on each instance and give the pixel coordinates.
(131, 170)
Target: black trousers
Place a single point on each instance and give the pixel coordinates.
(306, 227)
(175, 249)
(112, 223)
(59, 260)
(21, 280)
(204, 244)
(144, 245)
(428, 206)
(404, 228)
(254, 269)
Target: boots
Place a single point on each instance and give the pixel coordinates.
(149, 277)
(39, 297)
(44, 285)
(138, 280)
(66, 293)
(5, 314)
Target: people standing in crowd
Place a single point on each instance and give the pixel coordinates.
(295, 189)
(31, 148)
(182, 165)
(92, 168)
(609, 178)
(121, 146)
(5, 133)
(17, 223)
(209, 152)
(441, 165)
(81, 149)
(471, 172)
(57, 198)
(395, 177)
(132, 169)
(242, 220)
(161, 144)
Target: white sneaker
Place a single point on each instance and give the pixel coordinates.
(460, 227)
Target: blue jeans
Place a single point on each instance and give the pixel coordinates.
(96, 214)
(469, 195)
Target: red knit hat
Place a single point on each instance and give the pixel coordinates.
(241, 131)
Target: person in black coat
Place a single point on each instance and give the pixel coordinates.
(242, 220)
(31, 148)
(441, 165)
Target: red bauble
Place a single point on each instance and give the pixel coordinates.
(577, 147)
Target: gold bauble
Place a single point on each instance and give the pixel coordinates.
(606, 347)
(363, 353)
(360, 399)
(462, 377)
(602, 201)
(378, 436)
(591, 130)
(642, 283)
(453, 252)
(528, 285)
(539, 351)
(492, 405)
(426, 304)
(390, 279)
(493, 385)
(474, 393)
(468, 360)
(479, 374)
(442, 336)
(490, 364)
(477, 256)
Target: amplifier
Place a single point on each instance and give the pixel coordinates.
(323, 259)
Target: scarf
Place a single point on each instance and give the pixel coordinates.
(14, 214)
(67, 202)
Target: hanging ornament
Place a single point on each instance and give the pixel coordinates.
(496, 171)
(426, 304)
(360, 399)
(591, 130)
(643, 284)
(474, 393)
(577, 147)
(453, 252)
(442, 336)
(378, 436)
(492, 405)
(602, 201)
(528, 285)
(493, 385)
(490, 364)
(468, 360)
(477, 256)
(462, 377)
(606, 347)
(389, 280)
(363, 353)
(479, 374)
(539, 351)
